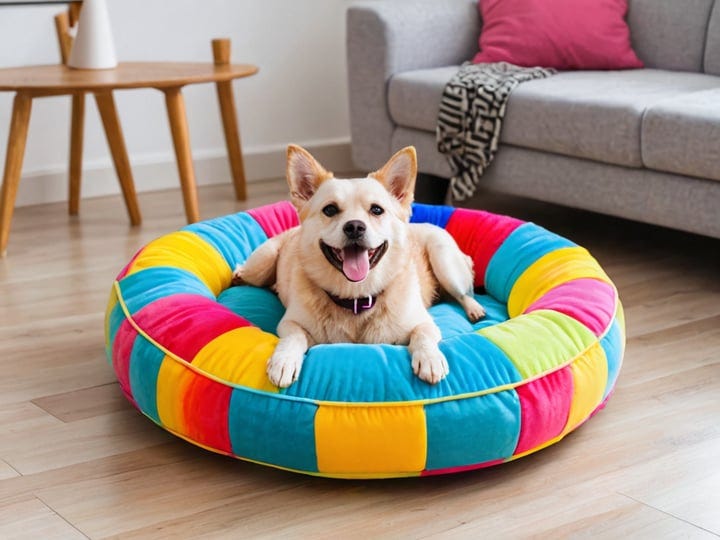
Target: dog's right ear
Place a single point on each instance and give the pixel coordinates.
(304, 175)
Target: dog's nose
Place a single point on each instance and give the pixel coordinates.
(354, 229)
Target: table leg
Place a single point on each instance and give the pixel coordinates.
(116, 142)
(77, 123)
(17, 137)
(221, 55)
(232, 137)
(181, 140)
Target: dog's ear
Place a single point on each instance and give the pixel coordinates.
(398, 175)
(304, 174)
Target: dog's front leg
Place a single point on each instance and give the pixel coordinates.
(260, 268)
(428, 362)
(285, 363)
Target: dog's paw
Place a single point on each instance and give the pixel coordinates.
(472, 307)
(283, 368)
(237, 278)
(430, 365)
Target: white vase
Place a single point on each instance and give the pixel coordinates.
(93, 46)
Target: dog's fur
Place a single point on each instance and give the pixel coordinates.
(358, 221)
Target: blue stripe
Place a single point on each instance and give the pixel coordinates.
(235, 236)
(383, 373)
(613, 346)
(145, 362)
(271, 430)
(258, 305)
(472, 431)
(428, 213)
(116, 318)
(146, 286)
(524, 246)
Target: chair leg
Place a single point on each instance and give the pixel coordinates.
(17, 137)
(181, 140)
(116, 142)
(77, 123)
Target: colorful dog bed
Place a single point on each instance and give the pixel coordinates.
(190, 352)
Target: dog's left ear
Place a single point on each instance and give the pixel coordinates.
(398, 175)
(304, 175)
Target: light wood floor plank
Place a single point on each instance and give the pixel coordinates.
(33, 519)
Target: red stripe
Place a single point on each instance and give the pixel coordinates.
(205, 409)
(479, 234)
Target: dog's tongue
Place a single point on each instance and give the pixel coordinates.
(356, 263)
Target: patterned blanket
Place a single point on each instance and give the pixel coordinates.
(470, 118)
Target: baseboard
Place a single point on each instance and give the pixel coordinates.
(158, 172)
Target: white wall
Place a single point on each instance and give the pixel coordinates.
(299, 95)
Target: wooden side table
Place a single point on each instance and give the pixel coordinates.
(169, 77)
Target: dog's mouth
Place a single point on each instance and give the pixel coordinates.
(354, 261)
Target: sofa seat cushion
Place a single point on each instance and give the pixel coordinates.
(589, 114)
(681, 136)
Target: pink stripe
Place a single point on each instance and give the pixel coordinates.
(184, 323)
(589, 301)
(121, 351)
(275, 218)
(544, 408)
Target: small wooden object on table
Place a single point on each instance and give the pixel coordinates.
(169, 77)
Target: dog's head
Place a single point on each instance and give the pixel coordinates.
(353, 230)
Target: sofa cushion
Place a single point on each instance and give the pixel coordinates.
(669, 34)
(590, 114)
(581, 34)
(414, 96)
(593, 114)
(681, 136)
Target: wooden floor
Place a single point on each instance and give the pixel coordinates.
(77, 461)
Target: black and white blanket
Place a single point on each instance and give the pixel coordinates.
(470, 118)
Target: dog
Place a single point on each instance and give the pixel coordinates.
(355, 270)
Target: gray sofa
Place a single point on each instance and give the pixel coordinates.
(641, 144)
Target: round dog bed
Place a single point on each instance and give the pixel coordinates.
(190, 352)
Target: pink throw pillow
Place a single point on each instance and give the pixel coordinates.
(562, 34)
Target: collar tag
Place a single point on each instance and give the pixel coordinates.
(356, 305)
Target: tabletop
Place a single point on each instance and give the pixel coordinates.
(62, 79)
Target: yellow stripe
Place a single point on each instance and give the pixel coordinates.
(240, 357)
(172, 383)
(371, 439)
(555, 268)
(187, 251)
(589, 380)
(112, 302)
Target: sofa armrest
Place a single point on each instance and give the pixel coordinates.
(391, 36)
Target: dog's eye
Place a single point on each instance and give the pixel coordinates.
(377, 210)
(330, 210)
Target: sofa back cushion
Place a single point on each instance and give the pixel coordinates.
(562, 34)
(712, 47)
(670, 34)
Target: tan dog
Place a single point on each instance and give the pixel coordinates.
(355, 270)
